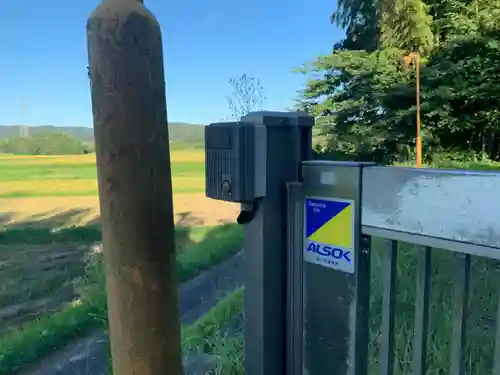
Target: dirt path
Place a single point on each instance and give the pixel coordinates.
(54, 212)
(89, 356)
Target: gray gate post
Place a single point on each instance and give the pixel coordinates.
(336, 270)
(288, 143)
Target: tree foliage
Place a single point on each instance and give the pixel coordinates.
(363, 96)
(182, 136)
(43, 144)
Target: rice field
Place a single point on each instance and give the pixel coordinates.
(194, 156)
(79, 188)
(61, 191)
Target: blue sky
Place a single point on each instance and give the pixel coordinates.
(43, 76)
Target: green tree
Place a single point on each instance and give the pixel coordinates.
(403, 24)
(461, 81)
(43, 144)
(364, 98)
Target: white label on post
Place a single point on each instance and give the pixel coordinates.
(328, 178)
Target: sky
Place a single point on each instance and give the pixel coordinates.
(43, 58)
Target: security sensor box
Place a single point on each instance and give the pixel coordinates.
(235, 154)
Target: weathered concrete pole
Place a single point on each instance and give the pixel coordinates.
(135, 189)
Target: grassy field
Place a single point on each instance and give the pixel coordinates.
(38, 267)
(49, 215)
(61, 191)
(75, 175)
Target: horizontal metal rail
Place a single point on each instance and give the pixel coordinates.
(433, 242)
(432, 209)
(449, 207)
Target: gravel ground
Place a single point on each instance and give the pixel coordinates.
(89, 356)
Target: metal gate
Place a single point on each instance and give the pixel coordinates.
(335, 212)
(312, 230)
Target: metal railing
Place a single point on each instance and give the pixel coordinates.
(433, 211)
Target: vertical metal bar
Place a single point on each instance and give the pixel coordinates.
(362, 324)
(421, 323)
(135, 188)
(295, 279)
(460, 308)
(496, 358)
(389, 271)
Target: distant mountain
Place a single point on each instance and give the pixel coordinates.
(80, 132)
(179, 132)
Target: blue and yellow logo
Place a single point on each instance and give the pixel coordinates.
(329, 233)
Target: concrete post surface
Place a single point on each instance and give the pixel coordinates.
(135, 189)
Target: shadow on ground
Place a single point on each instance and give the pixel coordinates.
(38, 265)
(57, 219)
(50, 219)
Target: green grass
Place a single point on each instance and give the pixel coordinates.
(29, 172)
(25, 285)
(195, 336)
(483, 300)
(472, 165)
(184, 236)
(219, 333)
(20, 347)
(44, 271)
(40, 236)
(485, 165)
(212, 334)
(44, 335)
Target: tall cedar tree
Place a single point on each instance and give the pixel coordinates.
(363, 96)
